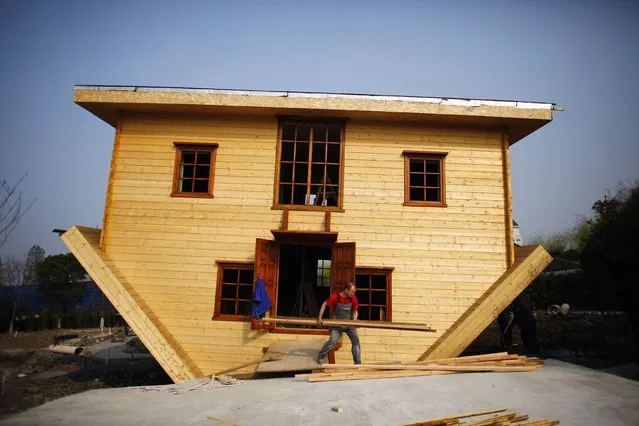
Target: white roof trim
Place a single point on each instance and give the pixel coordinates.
(422, 99)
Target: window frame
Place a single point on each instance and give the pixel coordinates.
(239, 265)
(179, 148)
(425, 155)
(276, 187)
(371, 270)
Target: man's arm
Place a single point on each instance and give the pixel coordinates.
(355, 314)
(321, 314)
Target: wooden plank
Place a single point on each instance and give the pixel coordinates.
(264, 359)
(508, 211)
(333, 377)
(435, 367)
(351, 323)
(110, 184)
(444, 420)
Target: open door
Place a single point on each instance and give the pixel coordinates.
(342, 265)
(266, 264)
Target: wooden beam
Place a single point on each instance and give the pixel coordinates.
(284, 220)
(327, 221)
(109, 193)
(248, 364)
(508, 211)
(350, 323)
(445, 420)
(371, 375)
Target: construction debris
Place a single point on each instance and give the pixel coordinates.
(66, 349)
(497, 362)
(204, 383)
(505, 419)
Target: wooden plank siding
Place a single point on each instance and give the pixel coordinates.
(444, 258)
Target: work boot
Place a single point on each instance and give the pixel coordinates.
(321, 360)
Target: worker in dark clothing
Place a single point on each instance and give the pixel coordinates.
(505, 328)
(525, 319)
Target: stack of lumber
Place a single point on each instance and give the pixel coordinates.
(500, 362)
(500, 419)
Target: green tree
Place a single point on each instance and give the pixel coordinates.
(610, 258)
(62, 281)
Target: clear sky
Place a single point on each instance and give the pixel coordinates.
(582, 55)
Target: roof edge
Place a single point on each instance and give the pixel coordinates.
(469, 102)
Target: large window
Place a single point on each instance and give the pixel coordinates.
(234, 290)
(374, 293)
(309, 172)
(424, 179)
(194, 170)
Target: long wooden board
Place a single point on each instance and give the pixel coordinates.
(351, 323)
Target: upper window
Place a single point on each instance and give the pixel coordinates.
(234, 296)
(194, 170)
(424, 179)
(310, 164)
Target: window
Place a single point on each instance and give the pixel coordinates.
(324, 272)
(310, 164)
(194, 170)
(424, 179)
(234, 291)
(374, 293)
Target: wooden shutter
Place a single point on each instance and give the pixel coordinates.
(342, 265)
(267, 264)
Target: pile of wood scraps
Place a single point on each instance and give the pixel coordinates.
(503, 419)
(497, 362)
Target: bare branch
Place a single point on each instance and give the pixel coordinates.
(11, 210)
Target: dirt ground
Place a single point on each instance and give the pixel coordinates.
(33, 375)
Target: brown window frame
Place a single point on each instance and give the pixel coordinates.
(414, 155)
(278, 162)
(221, 266)
(199, 147)
(370, 271)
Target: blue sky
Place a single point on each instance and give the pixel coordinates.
(581, 55)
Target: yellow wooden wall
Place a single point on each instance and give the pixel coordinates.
(444, 258)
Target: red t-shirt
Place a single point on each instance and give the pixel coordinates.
(336, 298)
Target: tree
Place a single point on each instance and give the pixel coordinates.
(13, 283)
(610, 258)
(62, 281)
(571, 240)
(11, 210)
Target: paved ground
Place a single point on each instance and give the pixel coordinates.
(572, 394)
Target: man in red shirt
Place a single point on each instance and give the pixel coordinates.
(346, 306)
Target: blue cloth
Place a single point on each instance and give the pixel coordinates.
(261, 302)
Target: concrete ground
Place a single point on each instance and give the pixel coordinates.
(572, 394)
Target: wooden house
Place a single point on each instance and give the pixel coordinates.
(408, 197)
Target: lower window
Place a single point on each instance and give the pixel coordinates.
(234, 295)
(374, 294)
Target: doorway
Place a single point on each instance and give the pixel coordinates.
(304, 281)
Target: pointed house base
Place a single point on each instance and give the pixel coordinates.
(529, 262)
(84, 244)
